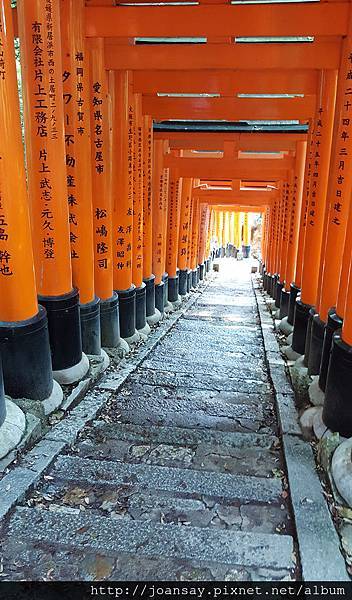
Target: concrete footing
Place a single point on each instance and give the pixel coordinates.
(55, 399)
(145, 331)
(155, 318)
(72, 374)
(133, 339)
(12, 429)
(316, 395)
(290, 353)
(285, 327)
(341, 470)
(300, 380)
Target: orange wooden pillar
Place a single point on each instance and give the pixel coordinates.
(190, 242)
(76, 84)
(336, 295)
(335, 263)
(194, 241)
(39, 29)
(293, 231)
(153, 314)
(322, 138)
(24, 334)
(282, 258)
(221, 234)
(246, 239)
(159, 209)
(184, 234)
(122, 156)
(204, 214)
(226, 231)
(173, 224)
(137, 237)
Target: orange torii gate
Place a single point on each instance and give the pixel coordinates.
(133, 114)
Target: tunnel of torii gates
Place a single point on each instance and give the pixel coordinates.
(150, 134)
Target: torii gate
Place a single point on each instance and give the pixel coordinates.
(98, 234)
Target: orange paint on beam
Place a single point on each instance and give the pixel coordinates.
(221, 20)
(232, 109)
(226, 83)
(317, 55)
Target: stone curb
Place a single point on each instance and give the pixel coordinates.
(15, 484)
(318, 541)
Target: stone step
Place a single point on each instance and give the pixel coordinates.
(235, 369)
(123, 502)
(204, 381)
(140, 397)
(185, 482)
(112, 537)
(110, 442)
(178, 436)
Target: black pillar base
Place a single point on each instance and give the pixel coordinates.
(275, 279)
(294, 291)
(337, 411)
(300, 326)
(150, 295)
(198, 274)
(194, 278)
(261, 267)
(284, 301)
(201, 272)
(26, 359)
(222, 252)
(312, 314)
(64, 329)
(265, 281)
(173, 289)
(334, 323)
(90, 326)
(182, 282)
(278, 290)
(127, 312)
(228, 251)
(2, 398)
(141, 307)
(166, 288)
(207, 265)
(246, 251)
(189, 280)
(316, 345)
(110, 322)
(159, 296)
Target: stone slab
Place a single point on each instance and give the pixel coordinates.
(171, 479)
(318, 541)
(170, 541)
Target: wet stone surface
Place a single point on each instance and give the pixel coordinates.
(184, 457)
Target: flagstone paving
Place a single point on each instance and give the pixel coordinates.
(181, 476)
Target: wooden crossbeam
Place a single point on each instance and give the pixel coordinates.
(213, 168)
(261, 142)
(231, 109)
(317, 55)
(227, 83)
(311, 19)
(262, 197)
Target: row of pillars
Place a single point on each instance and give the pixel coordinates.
(231, 233)
(97, 238)
(307, 250)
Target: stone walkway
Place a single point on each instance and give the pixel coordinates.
(181, 477)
